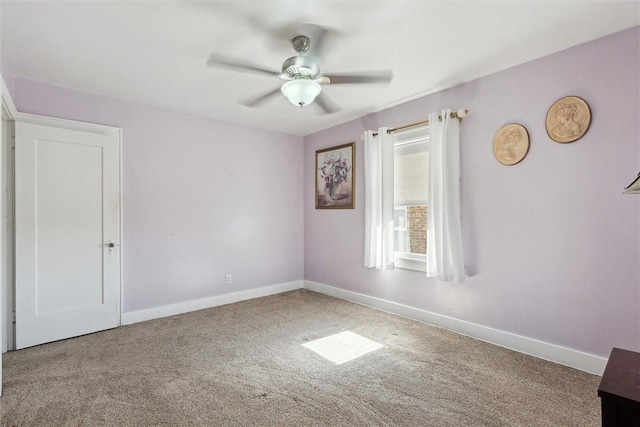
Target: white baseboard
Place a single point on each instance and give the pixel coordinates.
(554, 353)
(214, 301)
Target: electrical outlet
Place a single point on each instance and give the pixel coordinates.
(229, 279)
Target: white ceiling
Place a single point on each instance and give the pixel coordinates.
(155, 52)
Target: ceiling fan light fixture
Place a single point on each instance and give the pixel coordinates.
(301, 92)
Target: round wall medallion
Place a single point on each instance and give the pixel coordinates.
(568, 119)
(511, 144)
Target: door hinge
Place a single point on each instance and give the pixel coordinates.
(14, 317)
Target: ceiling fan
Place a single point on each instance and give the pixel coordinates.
(302, 76)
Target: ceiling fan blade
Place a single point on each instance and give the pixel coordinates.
(262, 99)
(359, 78)
(219, 61)
(327, 105)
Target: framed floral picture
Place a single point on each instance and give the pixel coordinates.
(335, 172)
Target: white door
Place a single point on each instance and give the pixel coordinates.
(67, 229)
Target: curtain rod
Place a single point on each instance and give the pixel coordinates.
(454, 115)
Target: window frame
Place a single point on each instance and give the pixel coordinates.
(397, 228)
(408, 260)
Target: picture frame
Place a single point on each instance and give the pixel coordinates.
(335, 177)
(568, 119)
(511, 144)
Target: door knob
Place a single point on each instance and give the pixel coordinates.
(112, 245)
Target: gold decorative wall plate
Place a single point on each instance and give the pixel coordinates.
(568, 119)
(511, 144)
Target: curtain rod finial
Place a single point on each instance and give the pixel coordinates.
(462, 112)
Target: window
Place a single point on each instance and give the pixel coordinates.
(411, 174)
(400, 229)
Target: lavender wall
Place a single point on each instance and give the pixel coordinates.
(5, 71)
(551, 244)
(202, 198)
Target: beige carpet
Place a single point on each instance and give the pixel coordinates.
(243, 365)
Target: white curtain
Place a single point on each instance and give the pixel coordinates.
(444, 238)
(378, 206)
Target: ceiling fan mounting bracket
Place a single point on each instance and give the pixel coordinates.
(300, 44)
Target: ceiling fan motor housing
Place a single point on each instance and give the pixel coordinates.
(300, 67)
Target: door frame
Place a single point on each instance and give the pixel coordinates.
(8, 114)
(95, 129)
(7, 235)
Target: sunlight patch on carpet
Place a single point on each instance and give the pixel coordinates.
(342, 347)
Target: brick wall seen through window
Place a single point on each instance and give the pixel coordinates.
(417, 229)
